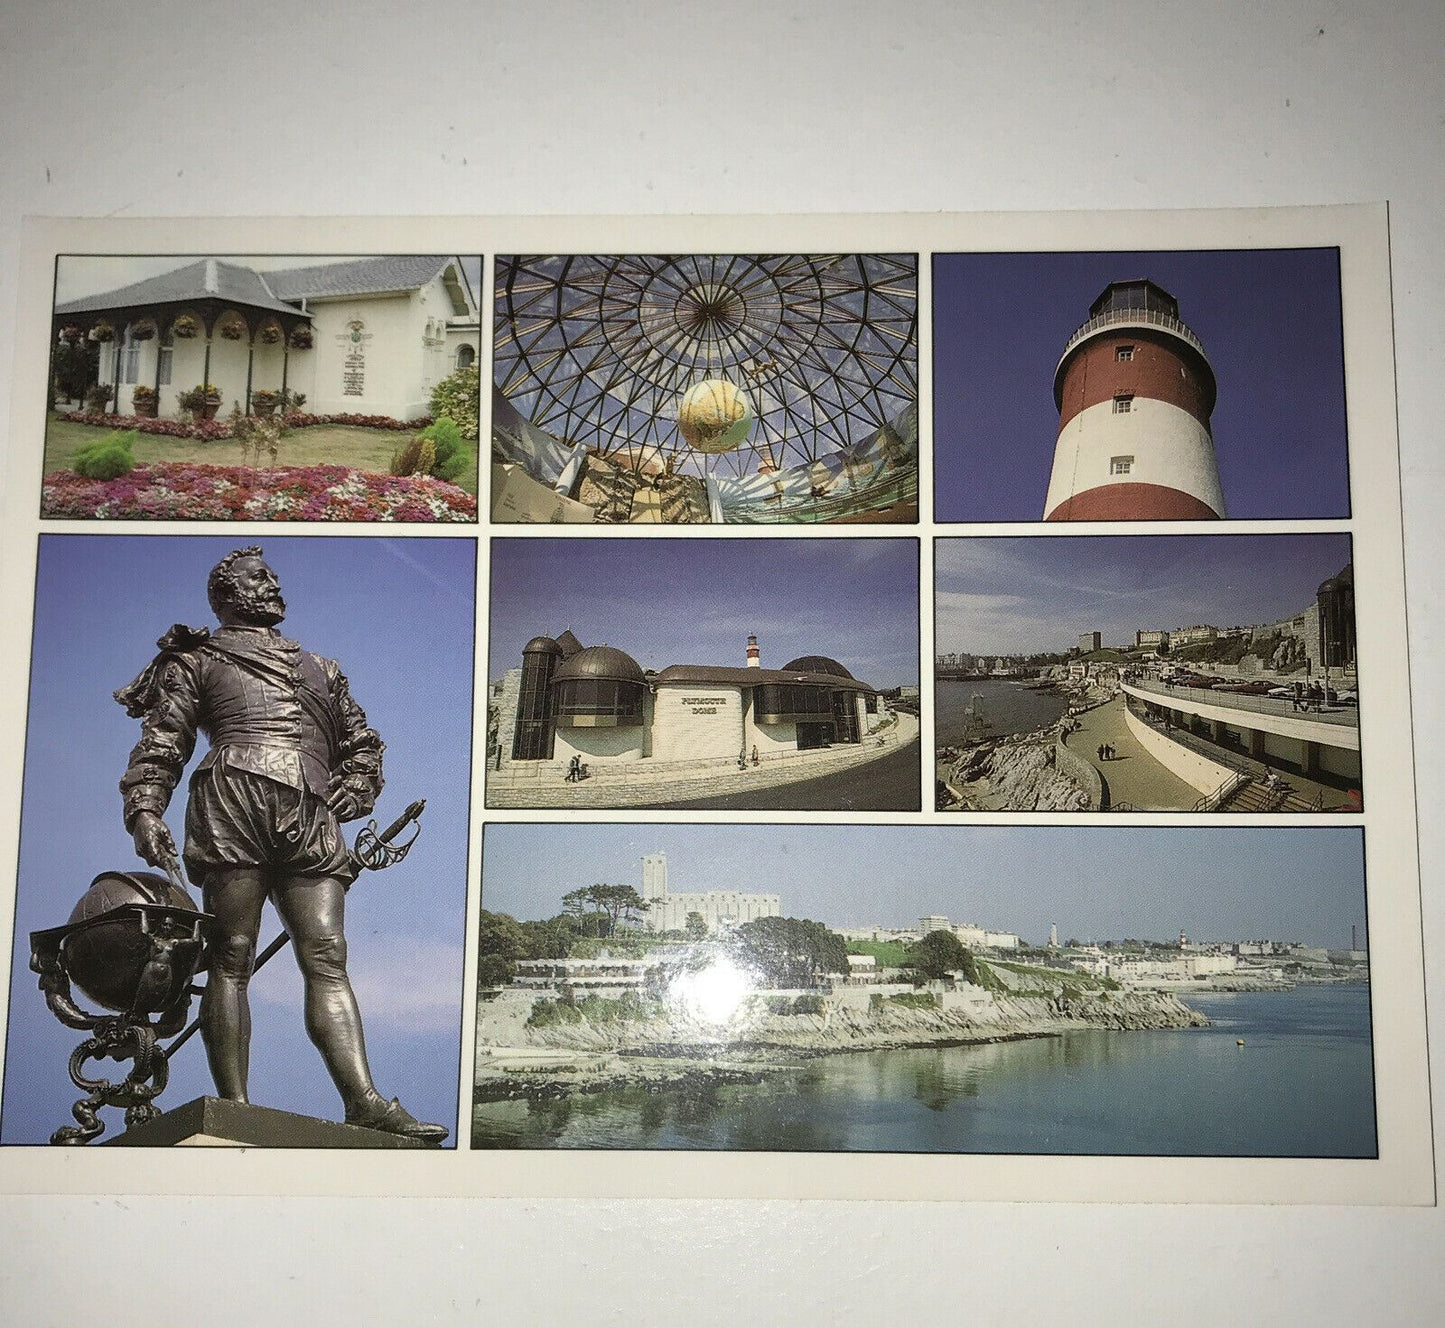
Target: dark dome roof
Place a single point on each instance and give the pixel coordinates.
(541, 645)
(601, 662)
(816, 664)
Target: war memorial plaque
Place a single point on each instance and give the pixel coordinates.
(756, 863)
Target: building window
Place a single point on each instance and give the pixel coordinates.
(130, 365)
(1123, 353)
(1124, 404)
(167, 354)
(466, 356)
(597, 703)
(1121, 465)
(779, 703)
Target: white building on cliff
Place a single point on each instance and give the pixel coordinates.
(717, 908)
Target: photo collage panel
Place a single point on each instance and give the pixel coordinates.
(957, 759)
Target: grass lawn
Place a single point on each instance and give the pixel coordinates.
(322, 444)
(889, 954)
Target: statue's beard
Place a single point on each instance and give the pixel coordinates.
(257, 610)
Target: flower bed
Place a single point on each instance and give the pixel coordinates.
(206, 431)
(209, 430)
(169, 491)
(299, 419)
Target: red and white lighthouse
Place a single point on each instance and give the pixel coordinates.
(1135, 392)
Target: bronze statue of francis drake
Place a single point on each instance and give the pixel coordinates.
(291, 758)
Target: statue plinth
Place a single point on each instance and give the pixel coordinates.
(213, 1122)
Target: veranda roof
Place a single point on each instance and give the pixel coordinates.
(205, 279)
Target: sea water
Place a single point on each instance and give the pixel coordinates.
(1008, 707)
(1302, 1085)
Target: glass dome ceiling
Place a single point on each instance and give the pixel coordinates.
(599, 351)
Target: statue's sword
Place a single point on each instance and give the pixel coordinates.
(374, 850)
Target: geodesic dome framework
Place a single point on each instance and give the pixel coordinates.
(600, 351)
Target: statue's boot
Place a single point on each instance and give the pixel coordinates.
(376, 1113)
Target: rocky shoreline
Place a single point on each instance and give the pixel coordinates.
(1017, 772)
(679, 1054)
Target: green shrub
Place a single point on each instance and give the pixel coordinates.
(108, 458)
(875, 1003)
(458, 397)
(453, 456)
(416, 458)
(439, 450)
(546, 1014)
(790, 1005)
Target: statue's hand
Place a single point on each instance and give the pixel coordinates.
(153, 840)
(348, 798)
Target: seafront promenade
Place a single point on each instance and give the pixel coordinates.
(1133, 777)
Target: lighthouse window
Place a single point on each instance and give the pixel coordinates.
(1124, 353)
(1121, 465)
(1123, 405)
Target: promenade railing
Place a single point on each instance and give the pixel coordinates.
(1345, 716)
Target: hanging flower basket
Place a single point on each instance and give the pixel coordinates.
(70, 334)
(232, 331)
(102, 332)
(301, 339)
(270, 336)
(142, 331)
(185, 327)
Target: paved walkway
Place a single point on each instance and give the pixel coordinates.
(887, 784)
(641, 783)
(1133, 776)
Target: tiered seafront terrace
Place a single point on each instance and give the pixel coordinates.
(1219, 742)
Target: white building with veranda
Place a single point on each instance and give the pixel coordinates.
(719, 909)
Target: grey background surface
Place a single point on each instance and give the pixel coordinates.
(270, 108)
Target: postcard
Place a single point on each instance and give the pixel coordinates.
(951, 738)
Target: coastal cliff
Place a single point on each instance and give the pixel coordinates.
(517, 1058)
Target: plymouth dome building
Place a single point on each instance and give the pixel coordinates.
(598, 704)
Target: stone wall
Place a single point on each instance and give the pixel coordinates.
(1195, 770)
(1082, 772)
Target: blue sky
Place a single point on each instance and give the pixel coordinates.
(694, 601)
(397, 614)
(1269, 320)
(1095, 882)
(1025, 595)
